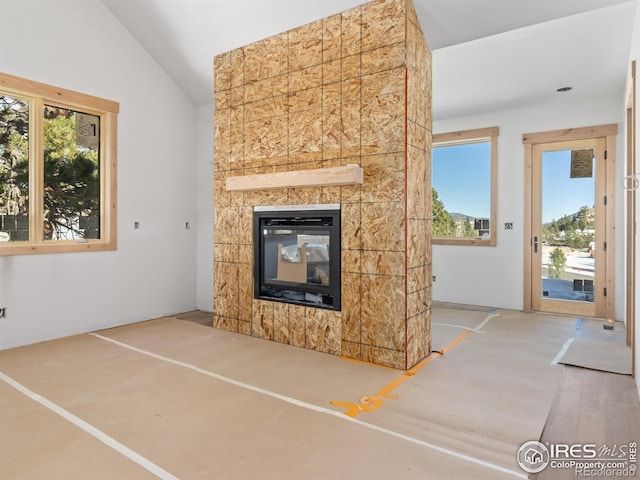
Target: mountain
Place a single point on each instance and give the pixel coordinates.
(589, 217)
(460, 217)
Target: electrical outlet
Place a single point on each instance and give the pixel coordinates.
(187, 226)
(136, 225)
(3, 312)
(508, 226)
(433, 278)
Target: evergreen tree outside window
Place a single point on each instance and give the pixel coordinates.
(464, 187)
(57, 169)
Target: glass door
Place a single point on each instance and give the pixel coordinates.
(568, 234)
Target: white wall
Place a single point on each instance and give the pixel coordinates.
(493, 276)
(79, 45)
(205, 208)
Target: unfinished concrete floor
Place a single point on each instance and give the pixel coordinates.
(170, 398)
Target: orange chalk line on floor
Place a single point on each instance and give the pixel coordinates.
(373, 402)
(316, 408)
(90, 429)
(455, 342)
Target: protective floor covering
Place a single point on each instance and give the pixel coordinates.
(197, 402)
(490, 393)
(599, 355)
(449, 322)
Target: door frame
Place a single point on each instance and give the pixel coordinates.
(559, 306)
(631, 254)
(608, 133)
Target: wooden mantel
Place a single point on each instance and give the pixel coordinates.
(319, 177)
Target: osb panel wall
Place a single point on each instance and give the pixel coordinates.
(418, 191)
(353, 88)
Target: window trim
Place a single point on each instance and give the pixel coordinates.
(38, 94)
(472, 136)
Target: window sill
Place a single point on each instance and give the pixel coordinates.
(56, 247)
(475, 242)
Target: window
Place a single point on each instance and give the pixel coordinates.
(57, 169)
(464, 187)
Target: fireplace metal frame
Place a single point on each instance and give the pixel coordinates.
(310, 218)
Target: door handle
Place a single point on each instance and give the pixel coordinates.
(535, 244)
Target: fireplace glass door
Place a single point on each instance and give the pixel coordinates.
(297, 257)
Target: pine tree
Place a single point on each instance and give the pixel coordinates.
(557, 263)
(443, 224)
(71, 181)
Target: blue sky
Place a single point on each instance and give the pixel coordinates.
(461, 175)
(562, 195)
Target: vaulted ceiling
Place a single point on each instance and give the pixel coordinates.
(487, 54)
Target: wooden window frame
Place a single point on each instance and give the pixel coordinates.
(38, 94)
(473, 136)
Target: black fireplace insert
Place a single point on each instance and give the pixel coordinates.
(297, 255)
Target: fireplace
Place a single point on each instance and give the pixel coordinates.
(297, 255)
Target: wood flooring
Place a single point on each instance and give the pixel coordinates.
(592, 407)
